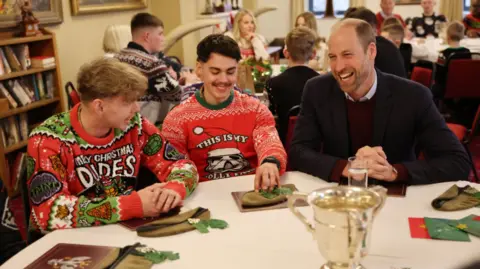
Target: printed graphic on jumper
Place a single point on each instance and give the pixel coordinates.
(119, 162)
(224, 159)
(153, 145)
(110, 187)
(171, 153)
(43, 186)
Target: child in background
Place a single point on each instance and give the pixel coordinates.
(455, 33)
(319, 62)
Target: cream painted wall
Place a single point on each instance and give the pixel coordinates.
(80, 38)
(277, 23)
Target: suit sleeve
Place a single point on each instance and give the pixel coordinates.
(271, 98)
(266, 140)
(166, 162)
(446, 159)
(49, 167)
(304, 154)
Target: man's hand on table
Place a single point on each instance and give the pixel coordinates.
(267, 176)
(378, 166)
(155, 200)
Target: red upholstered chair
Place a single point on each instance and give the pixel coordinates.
(463, 78)
(291, 127)
(292, 120)
(422, 75)
(72, 94)
(465, 136)
(288, 139)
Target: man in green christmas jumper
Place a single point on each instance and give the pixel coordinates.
(225, 132)
(82, 165)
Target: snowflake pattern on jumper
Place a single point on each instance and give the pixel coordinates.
(225, 142)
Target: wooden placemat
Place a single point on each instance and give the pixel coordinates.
(237, 197)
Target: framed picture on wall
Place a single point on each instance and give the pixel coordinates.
(46, 11)
(407, 2)
(80, 7)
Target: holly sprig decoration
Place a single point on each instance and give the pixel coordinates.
(276, 192)
(203, 225)
(156, 256)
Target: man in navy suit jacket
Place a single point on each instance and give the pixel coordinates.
(357, 110)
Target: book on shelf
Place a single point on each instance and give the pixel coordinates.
(40, 85)
(12, 59)
(49, 80)
(6, 65)
(43, 61)
(23, 55)
(3, 134)
(4, 93)
(13, 134)
(14, 129)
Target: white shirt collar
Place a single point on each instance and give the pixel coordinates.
(369, 94)
(385, 16)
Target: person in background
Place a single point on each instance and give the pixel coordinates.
(82, 165)
(429, 24)
(163, 90)
(455, 33)
(357, 110)
(387, 7)
(308, 20)
(472, 20)
(285, 90)
(389, 59)
(395, 33)
(244, 33)
(226, 133)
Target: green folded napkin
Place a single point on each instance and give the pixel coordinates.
(456, 198)
(136, 256)
(441, 229)
(469, 224)
(266, 198)
(173, 225)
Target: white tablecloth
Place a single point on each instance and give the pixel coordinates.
(276, 239)
(428, 49)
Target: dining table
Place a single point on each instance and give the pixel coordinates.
(276, 238)
(429, 48)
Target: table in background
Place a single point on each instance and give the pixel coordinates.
(277, 239)
(430, 49)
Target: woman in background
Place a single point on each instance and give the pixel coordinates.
(308, 20)
(251, 44)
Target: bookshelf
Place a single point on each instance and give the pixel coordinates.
(39, 109)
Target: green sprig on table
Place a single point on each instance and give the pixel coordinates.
(276, 192)
(155, 256)
(161, 256)
(203, 225)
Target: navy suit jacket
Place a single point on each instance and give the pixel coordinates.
(404, 116)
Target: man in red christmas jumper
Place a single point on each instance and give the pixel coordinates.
(225, 132)
(82, 165)
(387, 7)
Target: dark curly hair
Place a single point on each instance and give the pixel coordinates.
(217, 43)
